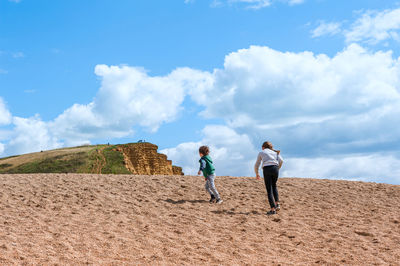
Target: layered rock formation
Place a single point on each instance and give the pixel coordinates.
(143, 159)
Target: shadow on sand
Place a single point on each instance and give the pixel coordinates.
(225, 212)
(184, 201)
(230, 212)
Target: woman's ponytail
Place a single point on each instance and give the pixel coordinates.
(268, 145)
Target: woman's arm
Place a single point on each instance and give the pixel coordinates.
(280, 161)
(257, 165)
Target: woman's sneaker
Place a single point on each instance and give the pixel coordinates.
(271, 212)
(219, 201)
(278, 207)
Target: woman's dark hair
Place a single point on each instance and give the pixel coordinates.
(204, 150)
(268, 145)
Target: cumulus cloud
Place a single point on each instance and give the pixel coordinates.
(370, 168)
(5, 119)
(128, 97)
(5, 115)
(309, 105)
(30, 135)
(315, 107)
(231, 152)
(325, 28)
(373, 27)
(264, 90)
(234, 154)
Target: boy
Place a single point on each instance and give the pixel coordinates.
(207, 167)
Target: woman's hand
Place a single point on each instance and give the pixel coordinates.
(199, 172)
(258, 177)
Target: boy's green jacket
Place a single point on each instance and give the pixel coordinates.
(210, 169)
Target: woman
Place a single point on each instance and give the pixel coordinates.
(271, 163)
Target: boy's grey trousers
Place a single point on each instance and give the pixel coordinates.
(210, 186)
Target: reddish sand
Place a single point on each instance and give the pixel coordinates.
(126, 219)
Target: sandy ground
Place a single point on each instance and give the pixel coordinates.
(112, 220)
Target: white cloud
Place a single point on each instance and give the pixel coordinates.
(313, 107)
(308, 105)
(216, 3)
(373, 27)
(15, 1)
(264, 87)
(5, 119)
(189, 1)
(325, 28)
(128, 97)
(184, 155)
(253, 4)
(231, 152)
(375, 168)
(295, 2)
(5, 115)
(30, 135)
(234, 155)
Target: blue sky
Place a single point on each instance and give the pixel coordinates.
(318, 78)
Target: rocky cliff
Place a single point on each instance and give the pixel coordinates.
(143, 159)
(132, 158)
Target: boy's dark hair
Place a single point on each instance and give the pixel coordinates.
(204, 150)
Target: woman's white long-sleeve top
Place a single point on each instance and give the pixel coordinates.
(267, 157)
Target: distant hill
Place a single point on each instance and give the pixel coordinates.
(131, 158)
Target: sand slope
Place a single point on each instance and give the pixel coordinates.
(126, 219)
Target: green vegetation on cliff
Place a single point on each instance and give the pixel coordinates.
(56, 164)
(113, 161)
(96, 159)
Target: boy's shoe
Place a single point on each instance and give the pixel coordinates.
(271, 212)
(278, 207)
(212, 199)
(219, 201)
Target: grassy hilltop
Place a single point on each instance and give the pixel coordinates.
(132, 158)
(98, 159)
